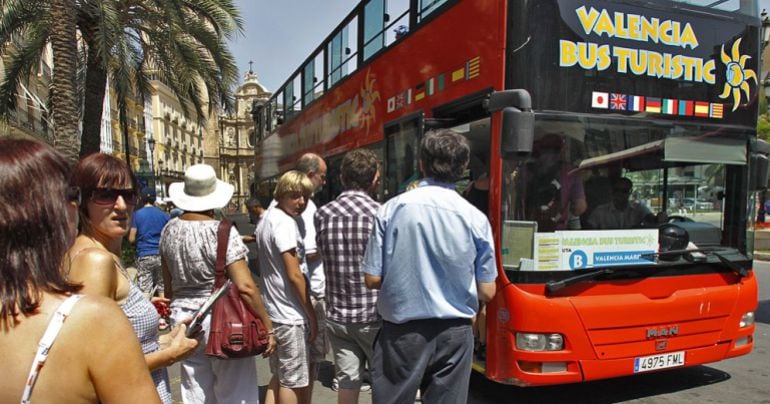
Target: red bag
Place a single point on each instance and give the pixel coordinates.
(235, 332)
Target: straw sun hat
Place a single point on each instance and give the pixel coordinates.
(201, 190)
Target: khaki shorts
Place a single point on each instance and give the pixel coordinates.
(291, 362)
(320, 347)
(352, 346)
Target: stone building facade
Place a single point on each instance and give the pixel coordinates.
(237, 139)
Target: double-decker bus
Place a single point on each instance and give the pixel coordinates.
(558, 99)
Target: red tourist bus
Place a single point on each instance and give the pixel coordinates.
(556, 96)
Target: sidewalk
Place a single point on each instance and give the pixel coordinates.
(762, 244)
(322, 392)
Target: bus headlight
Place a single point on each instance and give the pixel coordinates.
(539, 342)
(747, 320)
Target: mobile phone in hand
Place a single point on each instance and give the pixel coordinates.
(197, 322)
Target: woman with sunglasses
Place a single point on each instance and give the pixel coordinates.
(56, 345)
(109, 196)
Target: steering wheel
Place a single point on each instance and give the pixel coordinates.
(678, 218)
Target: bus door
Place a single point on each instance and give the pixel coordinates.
(402, 139)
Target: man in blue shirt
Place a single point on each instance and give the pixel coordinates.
(146, 225)
(431, 254)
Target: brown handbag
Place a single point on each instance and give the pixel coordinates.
(235, 332)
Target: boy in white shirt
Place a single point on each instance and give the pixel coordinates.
(286, 294)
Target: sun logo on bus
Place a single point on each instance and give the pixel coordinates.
(369, 96)
(737, 75)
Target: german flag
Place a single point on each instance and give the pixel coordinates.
(653, 105)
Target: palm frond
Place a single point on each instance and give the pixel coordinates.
(21, 61)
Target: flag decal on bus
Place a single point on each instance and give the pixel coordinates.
(662, 106)
(653, 105)
(600, 100)
(618, 102)
(469, 70)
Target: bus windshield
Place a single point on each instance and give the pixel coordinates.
(747, 7)
(603, 188)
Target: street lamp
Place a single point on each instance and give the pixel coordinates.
(160, 175)
(151, 146)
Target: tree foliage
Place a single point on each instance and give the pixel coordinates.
(179, 42)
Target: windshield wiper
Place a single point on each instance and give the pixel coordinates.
(688, 255)
(554, 286)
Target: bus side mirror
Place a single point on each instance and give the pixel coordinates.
(758, 164)
(518, 132)
(518, 129)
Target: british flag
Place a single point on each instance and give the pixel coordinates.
(618, 102)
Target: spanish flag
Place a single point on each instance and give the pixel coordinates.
(702, 109)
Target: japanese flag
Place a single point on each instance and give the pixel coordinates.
(600, 100)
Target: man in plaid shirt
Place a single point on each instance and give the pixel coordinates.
(342, 232)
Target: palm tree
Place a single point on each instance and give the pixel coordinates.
(24, 33)
(63, 99)
(180, 42)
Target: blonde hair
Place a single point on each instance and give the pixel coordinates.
(293, 181)
(413, 185)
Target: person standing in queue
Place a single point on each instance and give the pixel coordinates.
(109, 196)
(431, 254)
(188, 248)
(287, 296)
(315, 168)
(343, 227)
(146, 225)
(44, 321)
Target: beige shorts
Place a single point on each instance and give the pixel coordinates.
(320, 347)
(352, 346)
(291, 361)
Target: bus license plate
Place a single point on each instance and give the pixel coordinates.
(655, 362)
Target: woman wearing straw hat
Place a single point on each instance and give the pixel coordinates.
(188, 249)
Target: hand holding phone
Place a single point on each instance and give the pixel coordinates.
(196, 324)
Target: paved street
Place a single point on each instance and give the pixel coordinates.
(740, 380)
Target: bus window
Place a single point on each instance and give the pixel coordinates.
(334, 187)
(748, 7)
(308, 82)
(276, 112)
(296, 98)
(398, 24)
(374, 23)
(341, 51)
(379, 150)
(403, 146)
(429, 6)
(477, 192)
(312, 87)
(288, 100)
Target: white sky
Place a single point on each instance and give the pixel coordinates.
(280, 34)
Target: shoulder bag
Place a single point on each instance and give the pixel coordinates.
(235, 332)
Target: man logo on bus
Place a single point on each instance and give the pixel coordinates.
(369, 96)
(659, 332)
(737, 76)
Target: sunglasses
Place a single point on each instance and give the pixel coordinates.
(108, 196)
(73, 195)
